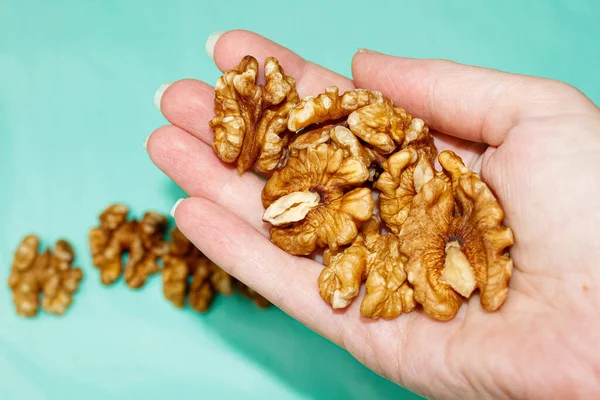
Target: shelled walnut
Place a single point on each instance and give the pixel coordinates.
(250, 120)
(61, 280)
(446, 236)
(188, 272)
(316, 199)
(142, 242)
(456, 242)
(48, 273)
(375, 258)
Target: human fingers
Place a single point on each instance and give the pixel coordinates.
(227, 49)
(195, 168)
(188, 104)
(472, 103)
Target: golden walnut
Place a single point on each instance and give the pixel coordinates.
(456, 243)
(140, 240)
(250, 120)
(376, 258)
(48, 273)
(314, 201)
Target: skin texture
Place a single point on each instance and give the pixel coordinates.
(536, 143)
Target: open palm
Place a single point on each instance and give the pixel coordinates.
(537, 145)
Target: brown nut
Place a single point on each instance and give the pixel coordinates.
(377, 259)
(142, 241)
(330, 106)
(61, 280)
(26, 274)
(188, 272)
(250, 120)
(145, 249)
(312, 201)
(381, 125)
(456, 243)
(404, 173)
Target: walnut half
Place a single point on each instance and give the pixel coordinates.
(250, 120)
(455, 242)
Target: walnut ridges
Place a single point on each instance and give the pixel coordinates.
(335, 153)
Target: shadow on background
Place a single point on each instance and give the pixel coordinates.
(280, 345)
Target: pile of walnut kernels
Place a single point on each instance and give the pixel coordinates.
(120, 246)
(436, 235)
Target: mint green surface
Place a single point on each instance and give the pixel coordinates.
(77, 80)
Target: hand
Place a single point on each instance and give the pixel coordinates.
(536, 143)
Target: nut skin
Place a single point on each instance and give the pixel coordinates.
(250, 120)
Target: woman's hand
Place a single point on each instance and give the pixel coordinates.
(535, 142)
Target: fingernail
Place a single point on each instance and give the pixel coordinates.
(177, 203)
(146, 142)
(159, 93)
(360, 50)
(211, 42)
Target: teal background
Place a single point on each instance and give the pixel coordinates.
(77, 80)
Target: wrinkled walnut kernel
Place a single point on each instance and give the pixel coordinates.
(251, 294)
(26, 275)
(381, 125)
(405, 172)
(250, 120)
(61, 280)
(328, 171)
(377, 259)
(188, 272)
(140, 240)
(48, 272)
(330, 106)
(454, 233)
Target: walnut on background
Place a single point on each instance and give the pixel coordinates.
(61, 280)
(48, 272)
(251, 294)
(455, 242)
(315, 200)
(250, 120)
(140, 240)
(376, 258)
(26, 275)
(188, 272)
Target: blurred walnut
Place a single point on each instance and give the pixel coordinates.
(377, 259)
(456, 243)
(26, 275)
(330, 106)
(145, 249)
(251, 294)
(313, 201)
(189, 272)
(250, 120)
(61, 280)
(51, 273)
(142, 242)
